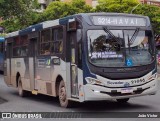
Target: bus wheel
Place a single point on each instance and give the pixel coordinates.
(64, 102)
(122, 100)
(21, 92)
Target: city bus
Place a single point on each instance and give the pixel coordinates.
(83, 57)
(1, 53)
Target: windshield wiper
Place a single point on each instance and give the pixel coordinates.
(110, 33)
(134, 36)
(118, 40)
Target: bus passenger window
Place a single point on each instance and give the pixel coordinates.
(52, 48)
(16, 51)
(45, 43)
(58, 47)
(45, 49)
(24, 51)
(57, 40)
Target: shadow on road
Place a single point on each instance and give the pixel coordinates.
(110, 106)
(40, 98)
(107, 106)
(2, 100)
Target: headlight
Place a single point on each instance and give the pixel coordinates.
(93, 81)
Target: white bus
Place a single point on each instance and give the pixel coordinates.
(83, 57)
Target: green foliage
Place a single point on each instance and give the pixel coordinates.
(58, 9)
(18, 8)
(2, 34)
(153, 12)
(81, 6)
(18, 14)
(126, 6)
(118, 6)
(11, 25)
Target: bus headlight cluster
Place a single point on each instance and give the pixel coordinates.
(93, 81)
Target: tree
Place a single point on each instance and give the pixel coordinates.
(18, 12)
(153, 12)
(126, 6)
(119, 6)
(16, 8)
(59, 9)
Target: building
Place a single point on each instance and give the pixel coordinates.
(151, 2)
(44, 3)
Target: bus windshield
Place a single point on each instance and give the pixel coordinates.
(119, 48)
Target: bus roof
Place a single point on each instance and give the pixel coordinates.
(63, 21)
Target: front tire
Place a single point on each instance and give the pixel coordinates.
(125, 100)
(21, 92)
(64, 102)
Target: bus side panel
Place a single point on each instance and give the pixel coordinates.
(31, 73)
(42, 75)
(58, 70)
(48, 86)
(10, 77)
(45, 87)
(13, 71)
(68, 78)
(21, 66)
(7, 76)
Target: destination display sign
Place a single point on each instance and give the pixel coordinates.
(118, 21)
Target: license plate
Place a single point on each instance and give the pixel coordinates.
(127, 90)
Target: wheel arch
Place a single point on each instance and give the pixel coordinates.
(58, 80)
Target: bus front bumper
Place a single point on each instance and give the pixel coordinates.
(96, 92)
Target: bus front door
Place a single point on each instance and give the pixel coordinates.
(8, 68)
(73, 66)
(32, 66)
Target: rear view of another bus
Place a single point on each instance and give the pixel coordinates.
(1, 53)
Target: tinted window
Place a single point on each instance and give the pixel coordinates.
(20, 46)
(45, 44)
(57, 40)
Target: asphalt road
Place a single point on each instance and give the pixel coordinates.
(11, 102)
